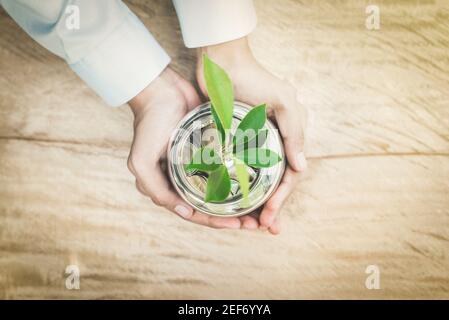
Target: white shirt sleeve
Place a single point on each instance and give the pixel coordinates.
(209, 22)
(110, 48)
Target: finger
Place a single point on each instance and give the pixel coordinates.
(130, 166)
(215, 222)
(276, 226)
(140, 188)
(249, 222)
(291, 118)
(152, 181)
(273, 206)
(173, 202)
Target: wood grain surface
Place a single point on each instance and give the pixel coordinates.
(376, 192)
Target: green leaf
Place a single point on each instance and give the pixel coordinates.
(220, 91)
(251, 123)
(242, 174)
(252, 142)
(218, 185)
(259, 158)
(220, 129)
(204, 159)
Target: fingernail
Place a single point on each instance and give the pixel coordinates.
(301, 161)
(183, 211)
(268, 221)
(249, 226)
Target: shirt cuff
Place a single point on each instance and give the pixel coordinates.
(209, 22)
(123, 64)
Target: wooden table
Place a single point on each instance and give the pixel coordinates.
(377, 192)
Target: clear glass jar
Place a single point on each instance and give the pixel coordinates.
(192, 185)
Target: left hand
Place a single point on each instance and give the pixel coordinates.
(255, 85)
(157, 110)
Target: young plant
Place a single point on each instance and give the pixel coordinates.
(243, 148)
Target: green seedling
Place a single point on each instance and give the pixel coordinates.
(243, 147)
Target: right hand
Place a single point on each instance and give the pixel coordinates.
(254, 85)
(157, 110)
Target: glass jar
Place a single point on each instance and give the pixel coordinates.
(189, 136)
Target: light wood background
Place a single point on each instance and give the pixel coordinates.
(377, 192)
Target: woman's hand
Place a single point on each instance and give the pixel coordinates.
(255, 85)
(157, 110)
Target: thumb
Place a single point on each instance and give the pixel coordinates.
(292, 132)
